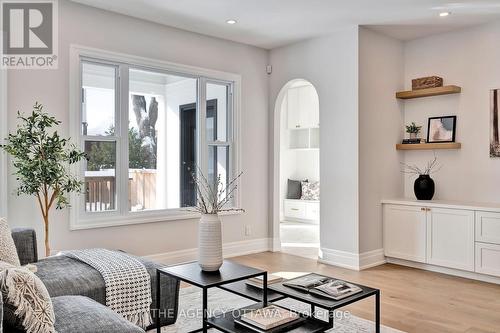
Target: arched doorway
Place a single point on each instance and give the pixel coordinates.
(296, 201)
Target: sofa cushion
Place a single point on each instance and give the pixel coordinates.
(65, 276)
(83, 315)
(25, 294)
(8, 252)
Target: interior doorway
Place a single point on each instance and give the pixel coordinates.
(297, 196)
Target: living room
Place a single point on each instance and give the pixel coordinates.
(130, 84)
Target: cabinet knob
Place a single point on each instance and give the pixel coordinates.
(428, 209)
(297, 126)
(423, 209)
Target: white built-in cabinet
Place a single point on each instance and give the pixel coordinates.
(462, 237)
(303, 117)
(302, 107)
(301, 210)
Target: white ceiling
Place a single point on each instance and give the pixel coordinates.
(273, 23)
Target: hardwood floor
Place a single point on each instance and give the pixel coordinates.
(413, 300)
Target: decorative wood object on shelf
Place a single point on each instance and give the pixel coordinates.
(429, 146)
(445, 90)
(426, 82)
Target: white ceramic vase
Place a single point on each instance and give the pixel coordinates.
(210, 243)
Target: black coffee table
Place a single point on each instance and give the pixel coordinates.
(231, 277)
(230, 272)
(329, 304)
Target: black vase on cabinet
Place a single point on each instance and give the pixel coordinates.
(424, 187)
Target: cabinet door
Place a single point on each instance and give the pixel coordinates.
(295, 209)
(293, 108)
(309, 107)
(450, 238)
(312, 211)
(405, 232)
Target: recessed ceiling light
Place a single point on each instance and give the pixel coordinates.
(231, 21)
(444, 14)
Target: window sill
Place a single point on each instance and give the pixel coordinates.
(138, 218)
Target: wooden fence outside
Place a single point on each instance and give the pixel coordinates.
(100, 191)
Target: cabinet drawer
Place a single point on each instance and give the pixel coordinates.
(488, 227)
(312, 211)
(295, 209)
(488, 259)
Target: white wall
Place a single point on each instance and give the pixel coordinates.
(330, 64)
(380, 127)
(471, 59)
(100, 29)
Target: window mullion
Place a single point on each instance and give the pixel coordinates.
(202, 121)
(122, 121)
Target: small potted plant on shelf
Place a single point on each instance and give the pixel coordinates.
(213, 197)
(424, 186)
(413, 130)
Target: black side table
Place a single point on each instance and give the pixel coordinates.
(191, 273)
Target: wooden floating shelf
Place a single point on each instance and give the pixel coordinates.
(429, 146)
(446, 90)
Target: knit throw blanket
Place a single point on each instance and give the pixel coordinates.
(128, 284)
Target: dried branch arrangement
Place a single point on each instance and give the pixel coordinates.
(213, 197)
(432, 167)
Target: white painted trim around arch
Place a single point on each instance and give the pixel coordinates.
(275, 183)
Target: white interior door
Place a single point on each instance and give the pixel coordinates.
(405, 232)
(450, 238)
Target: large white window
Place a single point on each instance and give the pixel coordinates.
(144, 126)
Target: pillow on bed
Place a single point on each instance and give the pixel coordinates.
(8, 252)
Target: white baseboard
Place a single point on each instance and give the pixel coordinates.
(276, 246)
(229, 250)
(351, 260)
(371, 259)
(444, 270)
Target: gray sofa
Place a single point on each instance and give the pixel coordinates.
(78, 292)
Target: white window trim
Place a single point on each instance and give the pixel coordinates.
(101, 220)
(3, 134)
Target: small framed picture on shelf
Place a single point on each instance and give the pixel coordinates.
(441, 129)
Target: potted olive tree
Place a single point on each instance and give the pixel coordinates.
(41, 159)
